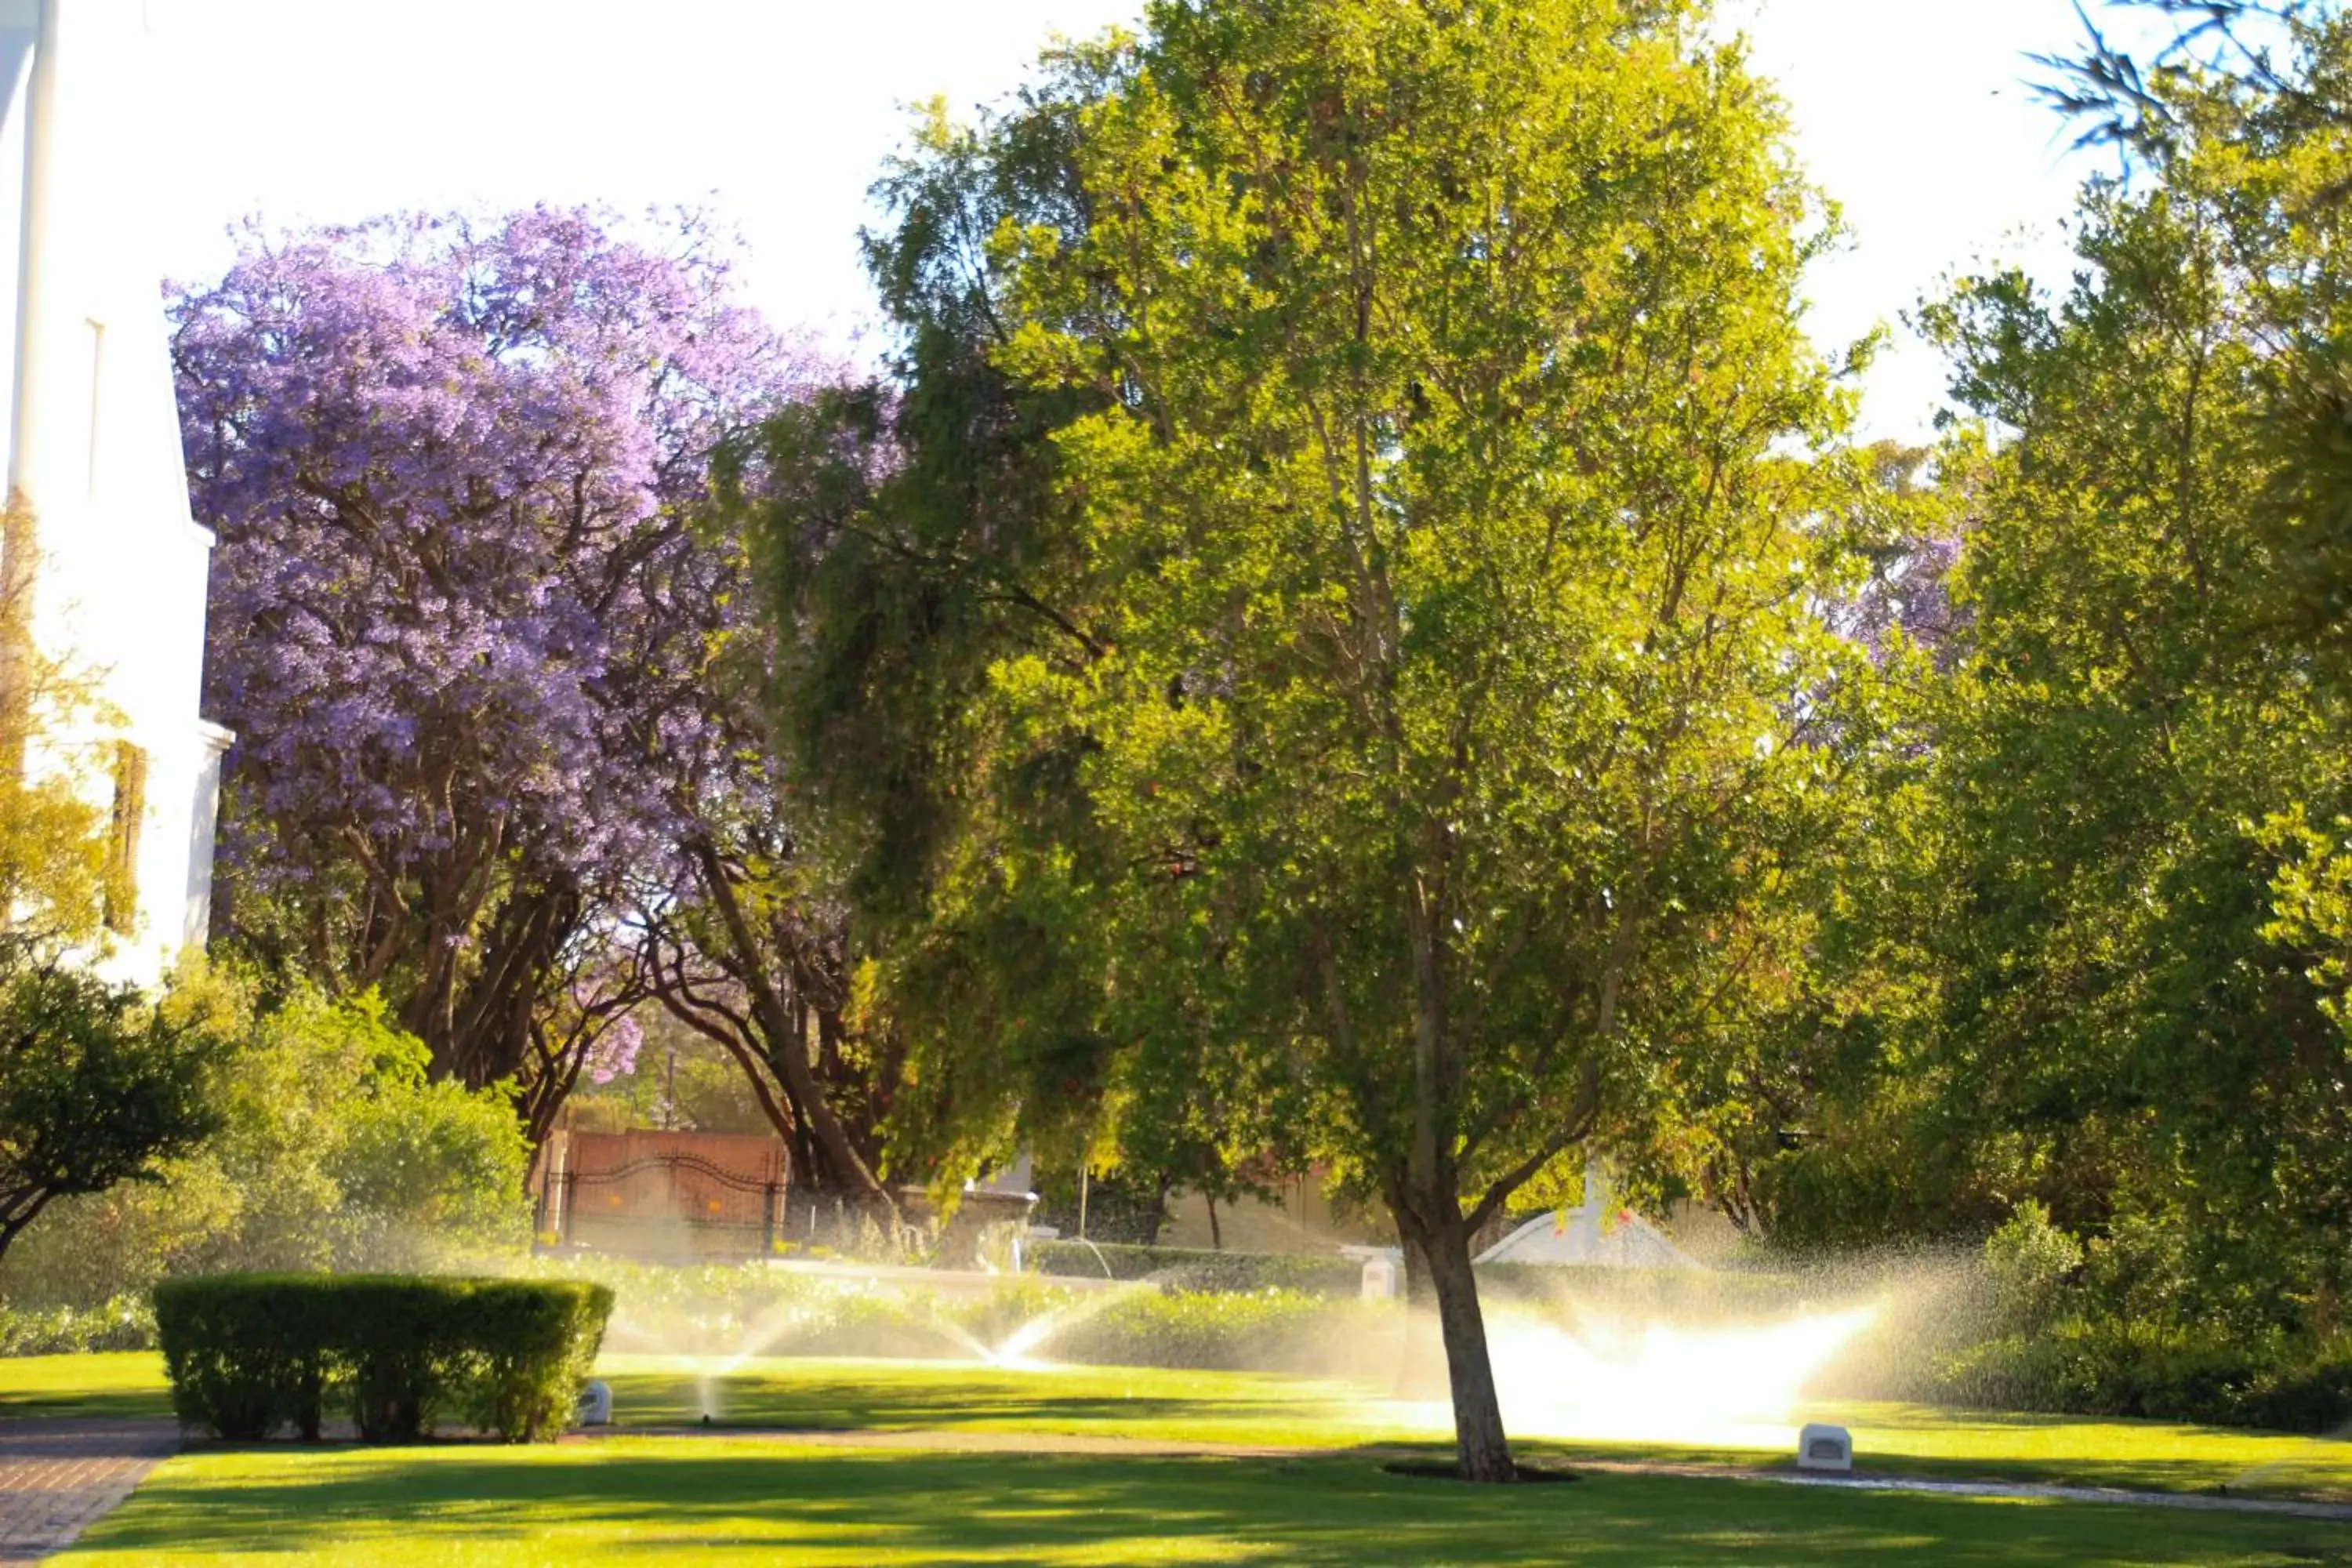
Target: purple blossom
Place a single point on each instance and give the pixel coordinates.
(615, 1052)
(1910, 590)
(460, 612)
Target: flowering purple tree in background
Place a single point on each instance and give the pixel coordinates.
(459, 613)
(1910, 585)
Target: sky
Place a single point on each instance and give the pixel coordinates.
(776, 114)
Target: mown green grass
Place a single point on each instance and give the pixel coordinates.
(641, 1500)
(1307, 1413)
(1302, 1413)
(1256, 1408)
(116, 1385)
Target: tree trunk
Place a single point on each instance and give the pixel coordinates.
(788, 1051)
(1420, 1355)
(1216, 1239)
(1158, 1214)
(22, 1211)
(1481, 1449)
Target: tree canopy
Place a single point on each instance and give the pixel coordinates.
(2125, 903)
(1415, 712)
(461, 616)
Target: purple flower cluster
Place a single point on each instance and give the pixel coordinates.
(460, 609)
(614, 1053)
(1910, 591)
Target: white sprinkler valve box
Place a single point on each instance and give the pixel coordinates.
(1823, 1448)
(595, 1404)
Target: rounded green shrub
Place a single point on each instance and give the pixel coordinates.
(248, 1354)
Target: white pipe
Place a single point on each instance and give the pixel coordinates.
(41, 178)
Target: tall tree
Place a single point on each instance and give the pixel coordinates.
(908, 538)
(743, 944)
(453, 468)
(1426, 691)
(2139, 766)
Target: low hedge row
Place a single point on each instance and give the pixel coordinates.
(2159, 1372)
(1681, 1293)
(1189, 1268)
(250, 1352)
(1231, 1330)
(123, 1324)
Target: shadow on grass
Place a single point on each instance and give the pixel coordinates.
(2192, 1477)
(652, 1497)
(108, 1385)
(814, 1399)
(105, 1404)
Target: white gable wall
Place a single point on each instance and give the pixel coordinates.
(93, 440)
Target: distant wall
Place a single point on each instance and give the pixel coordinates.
(1305, 1220)
(649, 1193)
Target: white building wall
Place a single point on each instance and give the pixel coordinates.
(93, 438)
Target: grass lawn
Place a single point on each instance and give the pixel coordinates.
(1287, 1412)
(640, 1500)
(762, 1499)
(1303, 1413)
(119, 1385)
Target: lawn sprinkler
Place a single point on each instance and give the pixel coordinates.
(1825, 1448)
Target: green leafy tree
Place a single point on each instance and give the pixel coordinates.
(909, 539)
(1427, 695)
(97, 1087)
(331, 1150)
(57, 881)
(2133, 948)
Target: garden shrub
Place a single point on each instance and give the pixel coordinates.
(1016, 1303)
(116, 1324)
(2029, 1263)
(248, 1353)
(530, 1348)
(681, 1309)
(400, 1350)
(723, 1310)
(2309, 1391)
(336, 1154)
(2132, 1325)
(1224, 1331)
(2007, 1372)
(2213, 1374)
(1189, 1268)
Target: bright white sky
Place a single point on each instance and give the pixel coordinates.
(776, 113)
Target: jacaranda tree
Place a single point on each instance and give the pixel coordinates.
(453, 466)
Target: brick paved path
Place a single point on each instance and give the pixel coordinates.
(58, 1476)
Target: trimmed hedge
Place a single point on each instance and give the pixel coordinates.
(248, 1354)
(1231, 1330)
(1198, 1269)
(1675, 1295)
